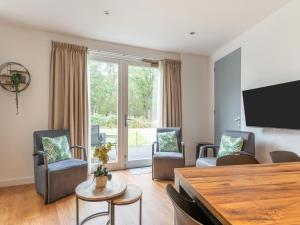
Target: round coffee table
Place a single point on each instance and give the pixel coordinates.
(131, 195)
(87, 191)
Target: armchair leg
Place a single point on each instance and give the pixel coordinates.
(152, 170)
(46, 188)
(45, 199)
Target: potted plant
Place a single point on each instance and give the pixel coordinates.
(102, 174)
(16, 80)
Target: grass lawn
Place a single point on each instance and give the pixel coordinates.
(136, 137)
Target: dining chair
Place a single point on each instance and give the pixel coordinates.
(230, 160)
(284, 156)
(187, 211)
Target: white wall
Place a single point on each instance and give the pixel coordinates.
(32, 48)
(270, 55)
(195, 103)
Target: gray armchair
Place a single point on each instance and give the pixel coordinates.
(164, 163)
(58, 179)
(245, 156)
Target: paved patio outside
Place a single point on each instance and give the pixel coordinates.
(134, 152)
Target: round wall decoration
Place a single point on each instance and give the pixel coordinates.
(14, 77)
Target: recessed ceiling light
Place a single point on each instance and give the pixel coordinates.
(192, 33)
(106, 12)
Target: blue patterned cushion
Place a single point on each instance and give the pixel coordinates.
(230, 145)
(167, 142)
(57, 148)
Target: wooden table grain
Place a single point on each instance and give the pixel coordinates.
(248, 194)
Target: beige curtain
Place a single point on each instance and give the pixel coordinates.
(68, 91)
(171, 99)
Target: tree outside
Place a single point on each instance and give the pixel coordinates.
(142, 99)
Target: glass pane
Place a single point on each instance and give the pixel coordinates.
(104, 106)
(143, 93)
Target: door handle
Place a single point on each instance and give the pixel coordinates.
(126, 120)
(237, 119)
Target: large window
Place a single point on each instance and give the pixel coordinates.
(124, 110)
(104, 105)
(143, 87)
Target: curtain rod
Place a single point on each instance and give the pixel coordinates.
(116, 55)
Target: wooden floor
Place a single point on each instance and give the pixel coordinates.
(20, 205)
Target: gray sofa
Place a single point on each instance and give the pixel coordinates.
(245, 156)
(164, 163)
(58, 179)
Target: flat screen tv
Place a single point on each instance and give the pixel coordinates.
(276, 106)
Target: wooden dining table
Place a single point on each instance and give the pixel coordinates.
(245, 194)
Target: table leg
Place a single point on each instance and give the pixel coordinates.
(77, 211)
(108, 207)
(108, 210)
(177, 182)
(112, 214)
(141, 211)
(105, 213)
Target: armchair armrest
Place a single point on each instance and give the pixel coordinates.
(183, 149)
(39, 153)
(83, 149)
(204, 149)
(153, 147)
(44, 155)
(199, 145)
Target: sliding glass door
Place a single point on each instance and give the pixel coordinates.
(104, 77)
(142, 113)
(124, 110)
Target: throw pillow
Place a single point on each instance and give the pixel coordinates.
(56, 148)
(167, 142)
(230, 145)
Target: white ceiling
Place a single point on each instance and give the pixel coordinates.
(156, 24)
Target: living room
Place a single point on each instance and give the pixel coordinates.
(87, 78)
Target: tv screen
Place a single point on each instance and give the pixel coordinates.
(276, 106)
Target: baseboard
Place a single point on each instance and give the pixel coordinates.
(16, 181)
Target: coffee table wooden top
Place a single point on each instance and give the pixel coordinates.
(87, 190)
(131, 195)
(247, 194)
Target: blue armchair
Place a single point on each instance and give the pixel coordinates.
(58, 179)
(164, 163)
(245, 156)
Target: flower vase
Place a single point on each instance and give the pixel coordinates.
(101, 182)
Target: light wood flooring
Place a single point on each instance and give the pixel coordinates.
(21, 205)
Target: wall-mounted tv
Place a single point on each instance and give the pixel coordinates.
(276, 106)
